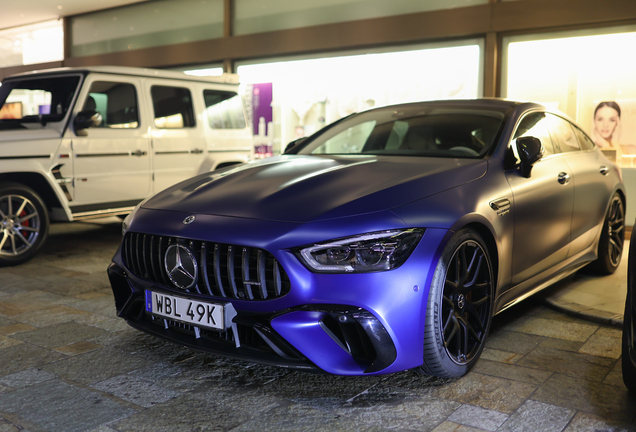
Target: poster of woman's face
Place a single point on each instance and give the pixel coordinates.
(607, 118)
(614, 130)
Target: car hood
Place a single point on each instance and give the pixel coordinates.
(312, 188)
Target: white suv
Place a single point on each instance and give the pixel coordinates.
(78, 143)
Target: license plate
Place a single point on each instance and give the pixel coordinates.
(201, 314)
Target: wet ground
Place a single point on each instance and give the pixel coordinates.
(68, 364)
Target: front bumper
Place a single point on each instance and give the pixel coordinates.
(346, 324)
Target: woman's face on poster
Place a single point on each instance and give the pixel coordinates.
(606, 120)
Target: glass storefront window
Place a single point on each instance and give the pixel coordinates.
(304, 95)
(257, 16)
(589, 77)
(31, 44)
(147, 24)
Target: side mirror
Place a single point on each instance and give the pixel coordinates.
(293, 144)
(530, 151)
(85, 120)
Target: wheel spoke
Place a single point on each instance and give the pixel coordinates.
(448, 302)
(3, 241)
(14, 250)
(19, 234)
(27, 217)
(21, 208)
(451, 336)
(10, 206)
(476, 273)
(27, 228)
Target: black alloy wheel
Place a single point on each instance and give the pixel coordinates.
(629, 323)
(460, 306)
(610, 246)
(24, 224)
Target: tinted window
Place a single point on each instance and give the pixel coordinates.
(585, 141)
(224, 110)
(564, 135)
(535, 125)
(116, 102)
(35, 100)
(411, 131)
(173, 107)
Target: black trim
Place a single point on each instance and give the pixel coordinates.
(104, 206)
(83, 155)
(170, 152)
(25, 157)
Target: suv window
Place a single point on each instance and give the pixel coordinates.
(564, 135)
(36, 100)
(116, 102)
(173, 107)
(224, 109)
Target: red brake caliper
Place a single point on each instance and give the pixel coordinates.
(26, 222)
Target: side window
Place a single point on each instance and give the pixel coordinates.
(116, 102)
(585, 141)
(224, 109)
(173, 107)
(535, 125)
(564, 135)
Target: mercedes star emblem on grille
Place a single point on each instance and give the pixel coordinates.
(188, 220)
(181, 266)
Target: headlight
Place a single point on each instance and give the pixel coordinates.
(126, 223)
(379, 251)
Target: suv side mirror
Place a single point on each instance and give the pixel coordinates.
(530, 151)
(85, 120)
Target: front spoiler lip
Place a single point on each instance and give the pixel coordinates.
(245, 354)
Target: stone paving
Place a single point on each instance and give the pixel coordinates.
(68, 364)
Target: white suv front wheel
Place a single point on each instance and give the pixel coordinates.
(24, 224)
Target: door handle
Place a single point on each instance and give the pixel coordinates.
(138, 153)
(604, 170)
(196, 151)
(564, 178)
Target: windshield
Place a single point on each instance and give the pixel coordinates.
(434, 131)
(34, 102)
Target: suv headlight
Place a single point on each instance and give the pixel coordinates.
(378, 251)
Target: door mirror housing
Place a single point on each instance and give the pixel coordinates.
(293, 145)
(530, 151)
(85, 120)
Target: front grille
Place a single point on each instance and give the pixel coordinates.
(226, 271)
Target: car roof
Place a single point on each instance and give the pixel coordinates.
(132, 71)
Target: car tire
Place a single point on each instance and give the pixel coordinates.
(629, 322)
(629, 331)
(459, 310)
(610, 245)
(24, 224)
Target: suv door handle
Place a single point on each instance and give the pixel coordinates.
(196, 151)
(138, 153)
(564, 178)
(604, 170)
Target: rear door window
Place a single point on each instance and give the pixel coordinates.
(172, 107)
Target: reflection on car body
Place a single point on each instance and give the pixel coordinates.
(384, 242)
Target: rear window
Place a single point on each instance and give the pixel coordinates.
(224, 110)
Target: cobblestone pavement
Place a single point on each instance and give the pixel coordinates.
(68, 364)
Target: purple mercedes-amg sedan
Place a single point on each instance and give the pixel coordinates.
(386, 241)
